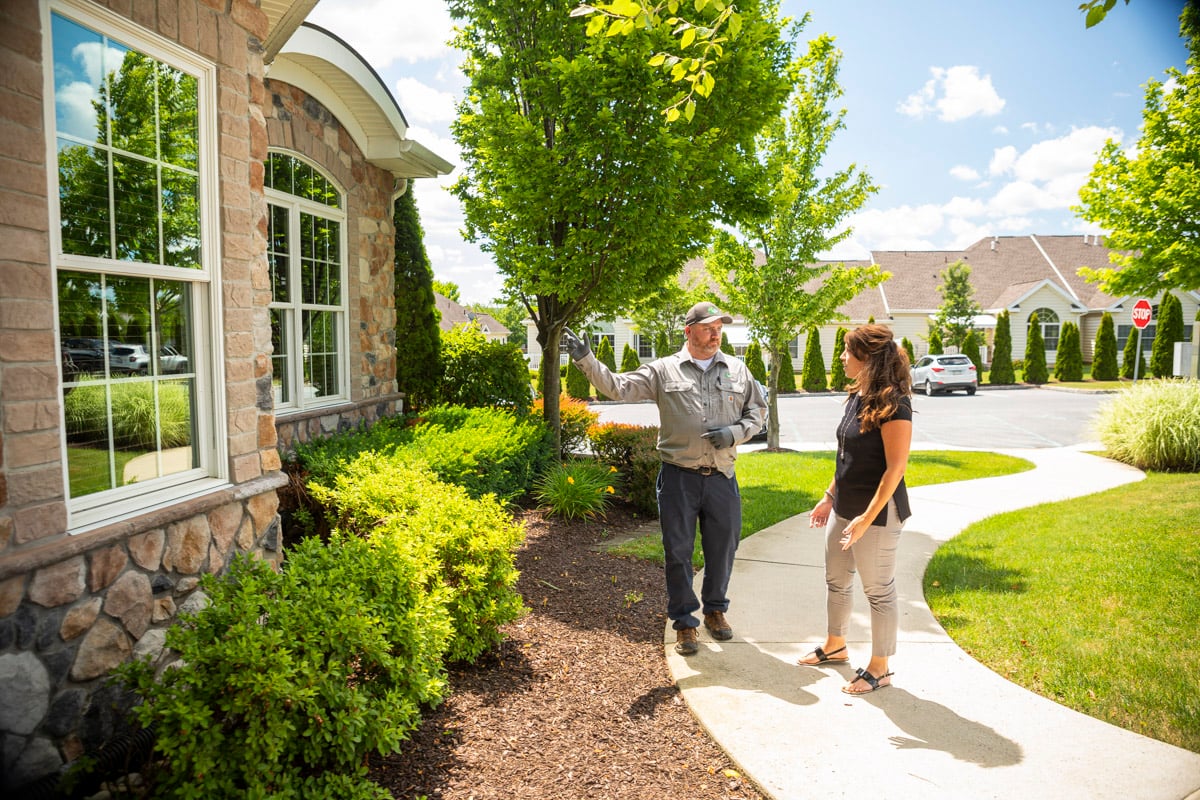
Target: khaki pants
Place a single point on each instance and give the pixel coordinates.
(874, 558)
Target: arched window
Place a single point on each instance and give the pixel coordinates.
(1048, 320)
(305, 247)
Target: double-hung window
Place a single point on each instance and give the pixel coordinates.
(306, 245)
(134, 254)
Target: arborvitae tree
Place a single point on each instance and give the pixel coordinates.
(726, 347)
(606, 356)
(661, 346)
(754, 361)
(786, 382)
(813, 378)
(1001, 373)
(970, 348)
(871, 320)
(1168, 331)
(935, 342)
(418, 336)
(1068, 364)
(1104, 359)
(629, 359)
(1133, 354)
(1036, 371)
(908, 348)
(578, 385)
(837, 372)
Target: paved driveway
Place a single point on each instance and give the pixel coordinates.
(1008, 418)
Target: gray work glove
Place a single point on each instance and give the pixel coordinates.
(719, 438)
(577, 348)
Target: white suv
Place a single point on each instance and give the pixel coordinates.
(128, 358)
(945, 373)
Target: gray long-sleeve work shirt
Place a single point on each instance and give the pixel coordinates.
(690, 402)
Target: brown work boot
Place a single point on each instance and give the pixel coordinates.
(686, 641)
(717, 626)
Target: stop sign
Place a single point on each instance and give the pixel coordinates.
(1141, 314)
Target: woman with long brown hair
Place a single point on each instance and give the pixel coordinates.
(866, 504)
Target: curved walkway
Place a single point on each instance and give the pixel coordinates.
(948, 727)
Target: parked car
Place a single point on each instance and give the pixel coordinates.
(131, 358)
(83, 354)
(945, 373)
(171, 360)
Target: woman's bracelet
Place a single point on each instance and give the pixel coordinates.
(829, 495)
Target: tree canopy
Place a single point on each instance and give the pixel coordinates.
(1151, 200)
(573, 181)
(956, 314)
(773, 277)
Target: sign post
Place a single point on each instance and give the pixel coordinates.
(1142, 313)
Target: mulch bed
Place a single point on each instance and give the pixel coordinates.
(577, 701)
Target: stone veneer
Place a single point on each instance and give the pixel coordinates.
(73, 605)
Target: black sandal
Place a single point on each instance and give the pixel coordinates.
(824, 658)
(869, 679)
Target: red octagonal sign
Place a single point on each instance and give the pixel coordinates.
(1141, 313)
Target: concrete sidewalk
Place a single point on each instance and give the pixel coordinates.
(948, 727)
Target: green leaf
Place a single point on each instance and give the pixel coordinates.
(658, 59)
(688, 37)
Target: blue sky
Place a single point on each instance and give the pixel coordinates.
(975, 117)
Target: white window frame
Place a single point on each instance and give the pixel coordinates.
(295, 205)
(210, 442)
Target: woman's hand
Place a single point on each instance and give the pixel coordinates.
(854, 531)
(819, 516)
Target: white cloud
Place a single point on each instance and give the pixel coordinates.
(422, 103)
(381, 35)
(964, 173)
(1002, 160)
(956, 93)
(1071, 154)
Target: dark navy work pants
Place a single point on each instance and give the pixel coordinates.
(686, 498)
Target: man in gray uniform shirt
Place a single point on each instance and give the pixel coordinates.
(707, 403)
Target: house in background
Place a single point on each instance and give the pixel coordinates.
(197, 272)
(1018, 274)
(453, 314)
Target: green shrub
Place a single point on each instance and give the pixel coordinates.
(134, 416)
(466, 543)
(1133, 355)
(578, 385)
(1068, 363)
(787, 375)
(605, 355)
(908, 348)
(288, 680)
(837, 372)
(576, 489)
(1036, 371)
(629, 359)
(575, 417)
(1154, 425)
(1104, 357)
(935, 342)
(971, 347)
(633, 450)
(1001, 373)
(754, 362)
(481, 373)
(1167, 332)
(484, 450)
(813, 379)
(726, 347)
(418, 358)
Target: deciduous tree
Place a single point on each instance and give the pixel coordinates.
(566, 154)
(1151, 201)
(956, 315)
(772, 275)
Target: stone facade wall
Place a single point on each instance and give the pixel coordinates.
(299, 123)
(72, 605)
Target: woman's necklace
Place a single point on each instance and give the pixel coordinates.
(844, 429)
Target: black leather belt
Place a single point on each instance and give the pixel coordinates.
(705, 471)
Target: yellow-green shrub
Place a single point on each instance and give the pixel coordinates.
(466, 543)
(633, 450)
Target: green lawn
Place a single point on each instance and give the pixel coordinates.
(1091, 602)
(776, 486)
(87, 468)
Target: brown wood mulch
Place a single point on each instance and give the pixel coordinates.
(577, 701)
